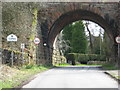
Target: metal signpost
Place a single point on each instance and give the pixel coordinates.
(36, 42)
(12, 38)
(22, 47)
(118, 41)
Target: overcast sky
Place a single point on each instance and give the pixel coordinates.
(94, 28)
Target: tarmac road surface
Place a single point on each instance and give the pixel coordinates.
(73, 77)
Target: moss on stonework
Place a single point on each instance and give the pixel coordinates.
(33, 35)
(20, 19)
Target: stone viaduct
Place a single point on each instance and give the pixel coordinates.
(53, 17)
(58, 15)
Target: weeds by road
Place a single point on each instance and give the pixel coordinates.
(104, 66)
(64, 65)
(110, 67)
(12, 77)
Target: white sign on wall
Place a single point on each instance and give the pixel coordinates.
(11, 38)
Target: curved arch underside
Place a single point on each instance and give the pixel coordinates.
(73, 16)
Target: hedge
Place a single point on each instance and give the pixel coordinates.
(76, 57)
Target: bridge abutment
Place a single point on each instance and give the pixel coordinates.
(20, 19)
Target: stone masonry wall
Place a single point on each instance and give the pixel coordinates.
(19, 19)
(28, 20)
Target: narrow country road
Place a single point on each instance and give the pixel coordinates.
(73, 77)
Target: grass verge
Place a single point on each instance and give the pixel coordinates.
(22, 75)
(110, 67)
(104, 66)
(64, 65)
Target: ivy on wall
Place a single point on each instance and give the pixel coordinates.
(20, 19)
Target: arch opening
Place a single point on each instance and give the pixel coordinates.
(94, 37)
(73, 16)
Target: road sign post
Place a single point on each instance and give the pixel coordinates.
(12, 38)
(12, 55)
(36, 42)
(22, 47)
(119, 50)
(118, 41)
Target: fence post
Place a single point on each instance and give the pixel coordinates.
(0, 56)
(12, 55)
(1, 33)
(12, 58)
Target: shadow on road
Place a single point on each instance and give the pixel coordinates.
(79, 68)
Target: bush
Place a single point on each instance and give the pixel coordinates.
(84, 58)
(29, 66)
(71, 57)
(102, 57)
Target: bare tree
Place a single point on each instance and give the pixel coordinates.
(90, 37)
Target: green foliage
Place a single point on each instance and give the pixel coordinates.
(35, 67)
(96, 44)
(107, 46)
(63, 65)
(89, 65)
(22, 75)
(20, 19)
(29, 66)
(81, 57)
(85, 57)
(71, 57)
(79, 41)
(67, 31)
(74, 35)
(17, 57)
(110, 67)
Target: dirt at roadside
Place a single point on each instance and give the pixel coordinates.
(8, 72)
(114, 74)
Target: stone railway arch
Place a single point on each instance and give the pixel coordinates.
(57, 15)
(73, 16)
